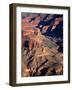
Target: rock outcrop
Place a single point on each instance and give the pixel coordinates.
(42, 60)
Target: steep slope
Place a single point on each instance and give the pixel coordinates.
(42, 59)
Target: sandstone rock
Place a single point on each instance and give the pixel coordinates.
(42, 60)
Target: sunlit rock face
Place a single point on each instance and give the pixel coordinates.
(42, 44)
